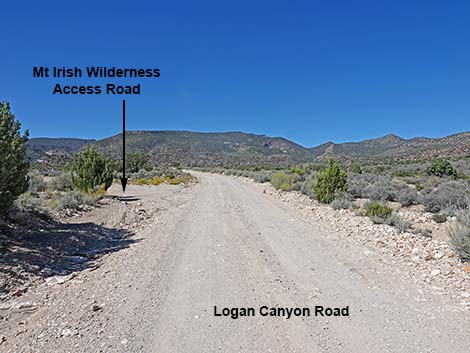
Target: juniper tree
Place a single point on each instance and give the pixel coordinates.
(13, 164)
(136, 161)
(90, 170)
(330, 181)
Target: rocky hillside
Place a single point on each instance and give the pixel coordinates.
(222, 149)
(51, 153)
(394, 147)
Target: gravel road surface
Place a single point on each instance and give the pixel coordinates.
(223, 243)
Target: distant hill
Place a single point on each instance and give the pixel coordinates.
(394, 147)
(228, 148)
(52, 153)
(203, 149)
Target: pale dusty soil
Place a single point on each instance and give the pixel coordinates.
(224, 242)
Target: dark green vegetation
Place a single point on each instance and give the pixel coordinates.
(91, 170)
(330, 181)
(137, 160)
(194, 149)
(13, 166)
(441, 168)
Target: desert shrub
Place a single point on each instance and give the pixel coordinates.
(143, 174)
(424, 232)
(412, 180)
(407, 196)
(459, 235)
(141, 181)
(282, 181)
(439, 218)
(307, 187)
(379, 169)
(449, 195)
(262, 177)
(377, 209)
(396, 221)
(297, 170)
(403, 173)
(182, 179)
(357, 184)
(73, 200)
(90, 169)
(344, 195)
(62, 182)
(341, 204)
(330, 181)
(441, 168)
(342, 200)
(158, 180)
(137, 160)
(297, 185)
(13, 165)
(382, 188)
(426, 184)
(28, 201)
(36, 181)
(286, 187)
(355, 168)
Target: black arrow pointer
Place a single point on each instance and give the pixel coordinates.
(123, 179)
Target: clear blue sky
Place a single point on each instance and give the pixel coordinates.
(310, 71)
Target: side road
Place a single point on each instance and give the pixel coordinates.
(223, 243)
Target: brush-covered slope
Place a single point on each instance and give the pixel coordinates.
(207, 149)
(192, 149)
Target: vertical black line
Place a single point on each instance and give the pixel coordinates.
(123, 138)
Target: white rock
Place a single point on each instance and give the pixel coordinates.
(435, 272)
(50, 281)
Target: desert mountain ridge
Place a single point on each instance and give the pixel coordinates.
(194, 149)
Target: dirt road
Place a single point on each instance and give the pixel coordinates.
(222, 243)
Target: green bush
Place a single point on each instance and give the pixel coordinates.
(13, 165)
(439, 218)
(355, 168)
(441, 168)
(330, 181)
(282, 181)
(90, 170)
(376, 209)
(136, 161)
(297, 170)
